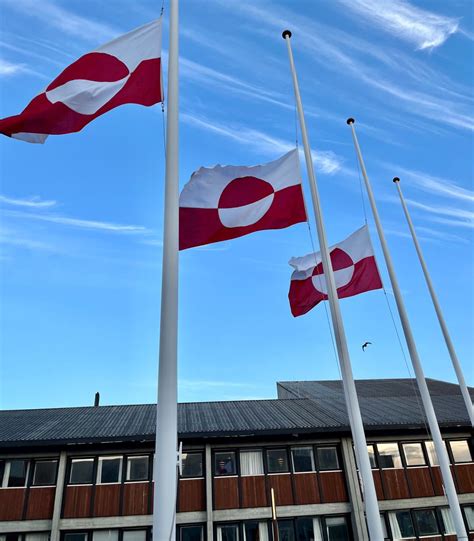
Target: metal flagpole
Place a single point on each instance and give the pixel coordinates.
(352, 403)
(276, 536)
(165, 467)
(439, 313)
(420, 377)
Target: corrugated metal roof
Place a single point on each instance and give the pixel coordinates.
(314, 406)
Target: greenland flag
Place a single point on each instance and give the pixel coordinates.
(125, 70)
(355, 271)
(226, 202)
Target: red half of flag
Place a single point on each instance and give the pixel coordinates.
(125, 70)
(355, 271)
(226, 202)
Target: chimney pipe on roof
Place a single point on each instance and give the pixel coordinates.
(96, 400)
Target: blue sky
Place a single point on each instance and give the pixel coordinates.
(81, 215)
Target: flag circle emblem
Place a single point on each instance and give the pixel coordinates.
(244, 201)
(343, 267)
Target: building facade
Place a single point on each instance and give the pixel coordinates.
(85, 474)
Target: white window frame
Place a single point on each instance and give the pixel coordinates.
(129, 461)
(89, 459)
(313, 463)
(380, 455)
(6, 472)
(34, 471)
(452, 452)
(405, 454)
(244, 451)
(99, 469)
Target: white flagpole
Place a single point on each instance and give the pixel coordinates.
(420, 377)
(165, 468)
(439, 313)
(352, 403)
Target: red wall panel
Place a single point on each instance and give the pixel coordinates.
(11, 503)
(192, 495)
(253, 491)
(226, 493)
(395, 484)
(333, 487)
(77, 501)
(40, 503)
(420, 483)
(281, 485)
(306, 488)
(135, 498)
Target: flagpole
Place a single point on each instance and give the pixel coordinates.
(439, 313)
(420, 377)
(352, 403)
(276, 536)
(165, 467)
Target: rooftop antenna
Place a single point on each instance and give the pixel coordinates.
(96, 400)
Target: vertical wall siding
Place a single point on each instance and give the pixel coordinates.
(420, 482)
(107, 500)
(253, 491)
(40, 503)
(282, 486)
(395, 484)
(333, 487)
(192, 495)
(77, 501)
(226, 493)
(306, 488)
(465, 478)
(136, 498)
(12, 501)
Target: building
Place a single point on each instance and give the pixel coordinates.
(84, 474)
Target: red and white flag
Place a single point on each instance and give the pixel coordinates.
(226, 202)
(355, 271)
(125, 70)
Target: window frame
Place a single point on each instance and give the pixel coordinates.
(338, 456)
(400, 456)
(451, 453)
(39, 460)
(82, 459)
(126, 470)
(237, 524)
(203, 455)
(252, 450)
(100, 460)
(201, 525)
(266, 461)
(6, 473)
(236, 463)
(404, 457)
(313, 459)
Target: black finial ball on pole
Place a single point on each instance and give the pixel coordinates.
(350, 121)
(285, 34)
(396, 179)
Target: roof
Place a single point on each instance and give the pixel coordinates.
(302, 408)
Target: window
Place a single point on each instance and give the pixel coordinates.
(251, 463)
(371, 451)
(75, 536)
(286, 531)
(389, 456)
(192, 465)
(45, 472)
(447, 521)
(432, 456)
(327, 458)
(18, 473)
(384, 527)
(255, 531)
(308, 529)
(109, 469)
(224, 464)
(461, 451)
(414, 454)
(277, 461)
(401, 525)
(43, 536)
(2, 471)
(81, 473)
(336, 529)
(303, 459)
(426, 521)
(134, 535)
(191, 533)
(228, 532)
(105, 535)
(137, 468)
(469, 513)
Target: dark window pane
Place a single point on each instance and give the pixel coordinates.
(404, 522)
(304, 529)
(192, 533)
(327, 458)
(302, 459)
(277, 460)
(389, 455)
(192, 465)
(460, 450)
(414, 454)
(336, 529)
(45, 472)
(426, 521)
(12, 537)
(2, 470)
(229, 532)
(134, 535)
(109, 470)
(137, 468)
(256, 531)
(225, 464)
(285, 530)
(81, 472)
(469, 512)
(18, 469)
(77, 536)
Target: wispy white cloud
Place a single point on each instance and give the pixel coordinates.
(327, 161)
(32, 202)
(422, 28)
(29, 53)
(463, 215)
(106, 227)
(8, 68)
(64, 19)
(11, 237)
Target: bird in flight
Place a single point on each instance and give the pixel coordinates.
(365, 345)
